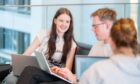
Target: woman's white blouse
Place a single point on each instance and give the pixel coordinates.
(43, 37)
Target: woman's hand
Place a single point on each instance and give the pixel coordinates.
(64, 72)
(58, 71)
(69, 75)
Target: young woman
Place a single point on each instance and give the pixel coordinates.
(58, 46)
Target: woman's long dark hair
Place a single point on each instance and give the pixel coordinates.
(68, 36)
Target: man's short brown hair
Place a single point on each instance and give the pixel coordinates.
(105, 14)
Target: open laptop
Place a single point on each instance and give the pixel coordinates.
(19, 62)
(44, 65)
(83, 62)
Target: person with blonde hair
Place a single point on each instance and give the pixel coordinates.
(123, 67)
(102, 21)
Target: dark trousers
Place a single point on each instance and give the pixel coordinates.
(33, 75)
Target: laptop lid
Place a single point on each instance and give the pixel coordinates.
(42, 61)
(44, 65)
(83, 62)
(19, 62)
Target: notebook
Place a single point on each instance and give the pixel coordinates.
(44, 65)
(83, 62)
(19, 62)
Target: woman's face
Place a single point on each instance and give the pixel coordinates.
(62, 23)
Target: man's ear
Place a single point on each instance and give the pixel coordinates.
(106, 24)
(109, 24)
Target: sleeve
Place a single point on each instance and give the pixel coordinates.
(74, 45)
(42, 34)
(91, 51)
(97, 50)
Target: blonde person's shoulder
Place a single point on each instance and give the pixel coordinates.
(105, 65)
(94, 72)
(99, 43)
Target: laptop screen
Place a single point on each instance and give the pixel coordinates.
(83, 62)
(44, 65)
(19, 62)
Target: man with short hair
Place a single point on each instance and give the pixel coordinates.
(102, 21)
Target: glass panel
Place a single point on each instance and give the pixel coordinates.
(87, 34)
(12, 41)
(18, 30)
(10, 5)
(108, 1)
(132, 11)
(14, 38)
